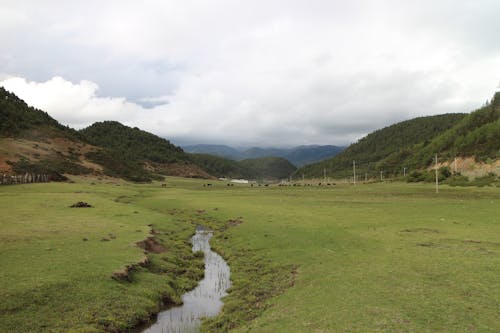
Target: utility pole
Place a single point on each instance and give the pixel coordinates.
(366, 177)
(354, 171)
(381, 175)
(437, 178)
(404, 172)
(302, 177)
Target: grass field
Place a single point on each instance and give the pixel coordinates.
(370, 258)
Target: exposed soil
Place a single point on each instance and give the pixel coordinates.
(150, 244)
(37, 149)
(469, 167)
(123, 274)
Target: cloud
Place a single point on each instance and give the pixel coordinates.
(251, 73)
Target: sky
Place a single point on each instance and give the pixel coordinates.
(250, 73)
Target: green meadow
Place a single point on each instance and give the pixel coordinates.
(382, 257)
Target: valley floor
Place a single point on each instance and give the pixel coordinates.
(366, 258)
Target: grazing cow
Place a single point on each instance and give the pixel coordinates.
(163, 185)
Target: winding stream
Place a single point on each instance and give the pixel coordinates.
(204, 300)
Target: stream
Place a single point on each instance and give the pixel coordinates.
(204, 300)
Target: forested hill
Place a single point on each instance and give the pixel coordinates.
(265, 168)
(268, 167)
(476, 135)
(127, 146)
(376, 147)
(133, 142)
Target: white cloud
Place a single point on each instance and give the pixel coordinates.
(251, 72)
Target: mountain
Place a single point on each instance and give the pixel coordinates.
(269, 168)
(298, 155)
(133, 146)
(217, 150)
(377, 149)
(303, 155)
(476, 135)
(33, 142)
(473, 139)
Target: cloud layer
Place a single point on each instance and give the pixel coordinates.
(269, 73)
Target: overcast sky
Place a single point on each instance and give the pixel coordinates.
(268, 73)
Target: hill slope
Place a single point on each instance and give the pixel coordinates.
(33, 142)
(378, 146)
(476, 135)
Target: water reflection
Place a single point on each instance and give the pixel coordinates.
(204, 300)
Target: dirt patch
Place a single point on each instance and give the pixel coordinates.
(36, 149)
(469, 167)
(150, 244)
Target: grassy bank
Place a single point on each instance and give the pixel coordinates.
(379, 257)
(57, 262)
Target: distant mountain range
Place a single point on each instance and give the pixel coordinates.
(298, 156)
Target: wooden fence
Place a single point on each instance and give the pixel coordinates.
(23, 179)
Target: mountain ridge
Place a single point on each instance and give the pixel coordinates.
(299, 155)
